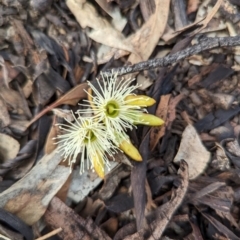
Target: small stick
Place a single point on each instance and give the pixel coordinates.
(204, 44)
(54, 232)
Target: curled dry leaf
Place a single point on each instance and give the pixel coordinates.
(9, 147)
(162, 110)
(29, 197)
(193, 152)
(167, 111)
(102, 31)
(147, 37)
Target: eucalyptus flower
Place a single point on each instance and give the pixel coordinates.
(88, 137)
(114, 104)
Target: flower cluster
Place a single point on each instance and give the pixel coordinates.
(113, 109)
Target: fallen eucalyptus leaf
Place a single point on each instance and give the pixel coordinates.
(193, 152)
(9, 147)
(101, 30)
(29, 197)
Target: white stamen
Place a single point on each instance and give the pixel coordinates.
(114, 91)
(73, 141)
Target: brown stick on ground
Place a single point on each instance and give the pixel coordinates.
(205, 44)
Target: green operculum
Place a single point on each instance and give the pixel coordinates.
(90, 137)
(112, 109)
(148, 119)
(139, 100)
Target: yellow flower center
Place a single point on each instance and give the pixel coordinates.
(112, 109)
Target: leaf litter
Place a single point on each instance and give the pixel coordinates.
(187, 185)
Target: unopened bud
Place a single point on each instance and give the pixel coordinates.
(149, 119)
(129, 149)
(139, 100)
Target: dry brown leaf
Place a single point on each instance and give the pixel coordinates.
(186, 117)
(63, 192)
(118, 20)
(15, 101)
(50, 144)
(147, 37)
(193, 152)
(29, 197)
(49, 147)
(162, 110)
(104, 55)
(19, 126)
(143, 82)
(110, 226)
(210, 15)
(192, 6)
(73, 226)
(199, 60)
(9, 147)
(7, 73)
(72, 97)
(172, 108)
(222, 162)
(101, 30)
(4, 115)
(169, 33)
(63, 113)
(169, 118)
(27, 88)
(200, 20)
